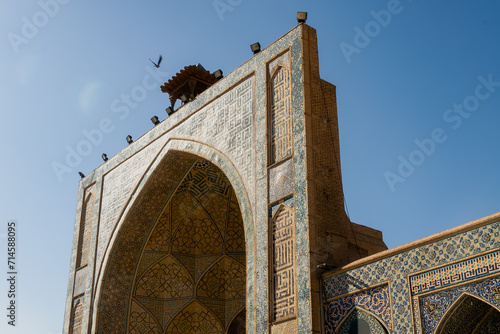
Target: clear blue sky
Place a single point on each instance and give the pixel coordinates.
(64, 67)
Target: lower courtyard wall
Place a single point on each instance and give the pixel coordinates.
(445, 283)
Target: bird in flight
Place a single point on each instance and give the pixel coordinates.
(156, 64)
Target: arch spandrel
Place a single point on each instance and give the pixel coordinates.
(466, 314)
(171, 167)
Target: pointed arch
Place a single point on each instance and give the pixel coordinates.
(465, 315)
(362, 322)
(489, 324)
(280, 65)
(76, 316)
(157, 187)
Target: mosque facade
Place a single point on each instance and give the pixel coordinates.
(228, 217)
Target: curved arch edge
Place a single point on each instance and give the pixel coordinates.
(220, 160)
(452, 308)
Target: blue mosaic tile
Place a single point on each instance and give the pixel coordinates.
(375, 301)
(361, 322)
(434, 306)
(398, 268)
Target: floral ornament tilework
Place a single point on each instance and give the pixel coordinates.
(435, 305)
(396, 269)
(375, 301)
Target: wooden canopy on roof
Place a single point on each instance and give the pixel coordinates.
(190, 81)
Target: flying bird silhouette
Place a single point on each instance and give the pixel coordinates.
(156, 64)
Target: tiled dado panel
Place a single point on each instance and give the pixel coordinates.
(397, 270)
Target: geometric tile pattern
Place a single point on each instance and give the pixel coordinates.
(280, 180)
(224, 310)
(142, 321)
(456, 273)
(160, 310)
(227, 124)
(395, 271)
(281, 115)
(222, 118)
(160, 240)
(117, 186)
(195, 319)
(376, 301)
(235, 234)
(283, 261)
(224, 280)
(166, 279)
(434, 306)
(190, 278)
(197, 235)
(361, 322)
(125, 256)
